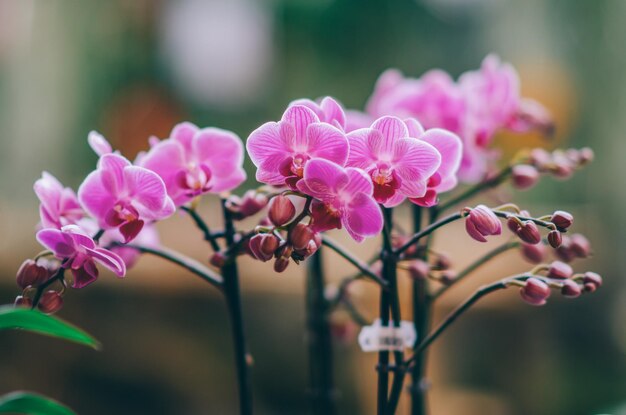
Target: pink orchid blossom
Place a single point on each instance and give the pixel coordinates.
(59, 205)
(120, 195)
(344, 199)
(280, 150)
(399, 165)
(79, 253)
(196, 161)
(148, 237)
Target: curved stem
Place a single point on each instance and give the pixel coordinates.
(427, 231)
(364, 268)
(474, 190)
(477, 264)
(179, 259)
(201, 224)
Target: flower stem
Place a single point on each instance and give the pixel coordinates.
(427, 231)
(364, 268)
(202, 225)
(319, 339)
(232, 293)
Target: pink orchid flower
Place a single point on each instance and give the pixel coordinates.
(399, 165)
(281, 150)
(344, 199)
(59, 205)
(196, 161)
(120, 195)
(80, 254)
(148, 237)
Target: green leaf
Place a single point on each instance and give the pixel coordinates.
(31, 404)
(24, 318)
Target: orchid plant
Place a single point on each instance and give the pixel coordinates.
(322, 167)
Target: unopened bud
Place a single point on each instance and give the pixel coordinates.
(562, 219)
(31, 273)
(265, 254)
(218, 259)
(535, 292)
(419, 270)
(570, 289)
(300, 236)
(533, 253)
(555, 239)
(251, 203)
(269, 244)
(585, 155)
(540, 158)
(529, 233)
(481, 222)
(559, 270)
(580, 246)
(562, 168)
(281, 210)
(592, 278)
(563, 252)
(50, 302)
(281, 264)
(447, 277)
(513, 224)
(524, 176)
(21, 301)
(443, 262)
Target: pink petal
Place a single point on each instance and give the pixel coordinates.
(166, 159)
(358, 182)
(333, 112)
(268, 141)
(415, 160)
(414, 127)
(327, 142)
(362, 217)
(450, 147)
(95, 198)
(412, 188)
(85, 275)
(109, 259)
(322, 179)
(183, 133)
(111, 167)
(360, 150)
(220, 149)
(79, 236)
(300, 117)
(61, 244)
(392, 129)
(227, 183)
(147, 191)
(98, 143)
(395, 200)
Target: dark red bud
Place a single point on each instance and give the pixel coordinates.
(281, 210)
(218, 259)
(562, 219)
(254, 246)
(281, 264)
(555, 239)
(529, 233)
(590, 288)
(50, 302)
(447, 277)
(284, 251)
(560, 270)
(563, 252)
(31, 273)
(513, 224)
(300, 236)
(533, 253)
(580, 246)
(418, 269)
(524, 176)
(21, 301)
(570, 289)
(443, 262)
(251, 203)
(269, 244)
(592, 278)
(535, 292)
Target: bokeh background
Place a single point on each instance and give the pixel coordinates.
(134, 69)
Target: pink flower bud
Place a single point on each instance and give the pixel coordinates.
(443, 262)
(50, 302)
(218, 259)
(418, 269)
(21, 301)
(580, 245)
(589, 287)
(447, 277)
(555, 239)
(529, 233)
(562, 219)
(560, 270)
(524, 176)
(309, 250)
(481, 222)
(533, 253)
(31, 273)
(570, 289)
(592, 278)
(562, 168)
(535, 292)
(513, 224)
(398, 240)
(269, 244)
(540, 158)
(300, 236)
(585, 155)
(251, 203)
(281, 210)
(564, 252)
(262, 254)
(281, 264)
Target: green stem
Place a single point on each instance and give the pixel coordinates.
(319, 339)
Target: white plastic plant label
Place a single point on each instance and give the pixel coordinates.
(377, 338)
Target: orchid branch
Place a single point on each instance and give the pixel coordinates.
(364, 268)
(427, 231)
(202, 225)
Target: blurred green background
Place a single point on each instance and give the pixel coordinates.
(134, 69)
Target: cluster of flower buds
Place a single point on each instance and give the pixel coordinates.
(559, 163)
(481, 222)
(251, 203)
(298, 242)
(30, 276)
(439, 270)
(558, 275)
(570, 248)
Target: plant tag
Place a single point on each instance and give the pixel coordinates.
(377, 338)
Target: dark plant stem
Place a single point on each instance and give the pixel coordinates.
(427, 231)
(361, 266)
(232, 293)
(319, 339)
(476, 189)
(202, 225)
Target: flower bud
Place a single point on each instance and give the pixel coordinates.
(540, 158)
(533, 253)
(50, 302)
(31, 273)
(447, 277)
(269, 244)
(560, 270)
(300, 236)
(524, 176)
(251, 203)
(513, 224)
(281, 210)
(580, 245)
(562, 219)
(564, 252)
(529, 233)
(481, 222)
(535, 292)
(555, 239)
(21, 301)
(418, 269)
(309, 250)
(585, 155)
(562, 168)
(263, 254)
(589, 287)
(570, 289)
(443, 262)
(592, 278)
(218, 259)
(281, 264)
(397, 240)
